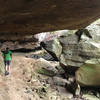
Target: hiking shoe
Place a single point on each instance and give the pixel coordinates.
(6, 73)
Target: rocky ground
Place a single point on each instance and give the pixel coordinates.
(36, 78)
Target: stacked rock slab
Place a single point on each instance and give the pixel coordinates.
(74, 54)
(70, 51)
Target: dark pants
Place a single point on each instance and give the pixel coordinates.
(7, 63)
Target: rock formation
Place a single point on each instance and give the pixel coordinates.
(89, 73)
(83, 55)
(23, 17)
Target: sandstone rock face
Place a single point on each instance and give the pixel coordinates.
(47, 36)
(89, 73)
(70, 51)
(83, 55)
(74, 52)
(53, 47)
(23, 17)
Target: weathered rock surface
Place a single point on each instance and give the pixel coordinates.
(45, 67)
(47, 36)
(74, 53)
(90, 97)
(70, 51)
(76, 48)
(23, 17)
(53, 47)
(89, 73)
(28, 45)
(59, 81)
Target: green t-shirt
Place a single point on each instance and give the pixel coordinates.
(7, 55)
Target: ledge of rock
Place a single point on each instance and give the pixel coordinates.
(24, 17)
(72, 50)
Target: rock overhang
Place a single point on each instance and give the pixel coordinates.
(24, 17)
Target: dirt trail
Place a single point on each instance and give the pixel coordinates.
(25, 83)
(12, 87)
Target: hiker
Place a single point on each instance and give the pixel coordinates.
(7, 54)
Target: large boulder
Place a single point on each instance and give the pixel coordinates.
(89, 73)
(19, 18)
(53, 47)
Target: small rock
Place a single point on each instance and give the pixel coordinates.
(90, 97)
(59, 81)
(64, 93)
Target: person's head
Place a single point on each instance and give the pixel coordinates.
(7, 48)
